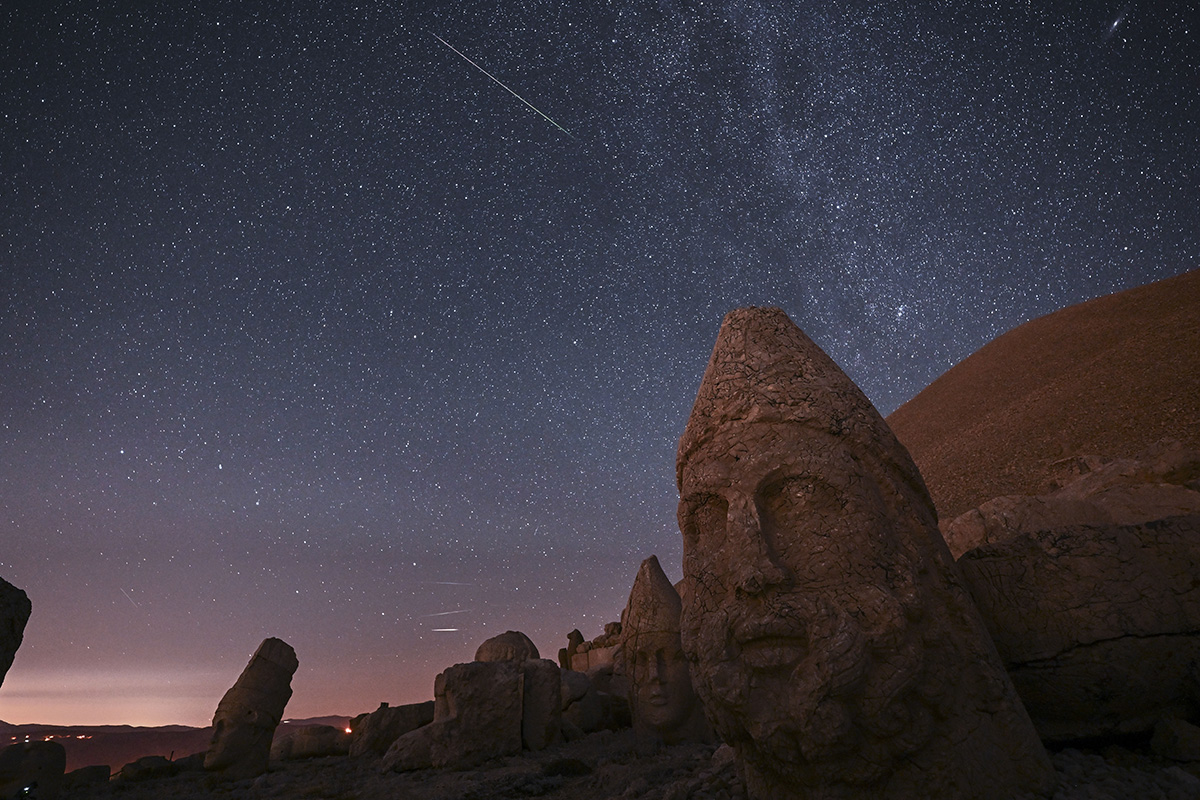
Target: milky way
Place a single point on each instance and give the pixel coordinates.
(311, 330)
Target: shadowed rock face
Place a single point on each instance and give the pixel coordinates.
(14, 613)
(32, 769)
(661, 698)
(245, 721)
(1099, 625)
(834, 646)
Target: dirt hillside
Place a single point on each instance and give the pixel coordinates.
(1107, 377)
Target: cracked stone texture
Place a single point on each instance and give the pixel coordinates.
(1099, 625)
(1161, 481)
(14, 613)
(662, 702)
(245, 721)
(541, 703)
(507, 646)
(477, 716)
(834, 645)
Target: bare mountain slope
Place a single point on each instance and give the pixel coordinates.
(1107, 377)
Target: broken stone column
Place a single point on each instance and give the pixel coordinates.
(14, 613)
(834, 646)
(663, 703)
(245, 721)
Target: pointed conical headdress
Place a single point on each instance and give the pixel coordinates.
(764, 369)
(654, 605)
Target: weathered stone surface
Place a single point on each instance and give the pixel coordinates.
(835, 647)
(565, 654)
(375, 732)
(508, 646)
(1099, 625)
(1177, 740)
(541, 706)
(14, 613)
(33, 769)
(586, 708)
(1162, 481)
(477, 716)
(248, 714)
(147, 768)
(662, 702)
(308, 741)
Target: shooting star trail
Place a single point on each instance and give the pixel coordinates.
(446, 613)
(444, 630)
(497, 80)
(130, 599)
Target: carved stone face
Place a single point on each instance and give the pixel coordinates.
(801, 595)
(662, 684)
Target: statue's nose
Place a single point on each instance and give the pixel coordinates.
(754, 569)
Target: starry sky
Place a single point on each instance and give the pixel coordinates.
(310, 328)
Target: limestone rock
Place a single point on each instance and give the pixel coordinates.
(33, 769)
(375, 733)
(508, 646)
(835, 648)
(477, 716)
(1177, 740)
(662, 702)
(308, 741)
(14, 613)
(1099, 625)
(565, 654)
(1163, 481)
(541, 706)
(245, 721)
(586, 708)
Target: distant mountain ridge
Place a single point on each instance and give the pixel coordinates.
(118, 745)
(1107, 377)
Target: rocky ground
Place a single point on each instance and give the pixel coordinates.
(606, 765)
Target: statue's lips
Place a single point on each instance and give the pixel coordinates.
(771, 646)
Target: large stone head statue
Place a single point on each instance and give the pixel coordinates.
(664, 706)
(248, 714)
(834, 647)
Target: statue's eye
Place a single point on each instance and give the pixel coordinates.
(794, 493)
(704, 518)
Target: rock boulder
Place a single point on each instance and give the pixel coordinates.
(1099, 625)
(375, 733)
(14, 613)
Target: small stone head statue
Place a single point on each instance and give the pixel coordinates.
(664, 706)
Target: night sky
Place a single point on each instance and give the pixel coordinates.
(311, 329)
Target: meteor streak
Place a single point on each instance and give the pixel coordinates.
(497, 80)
